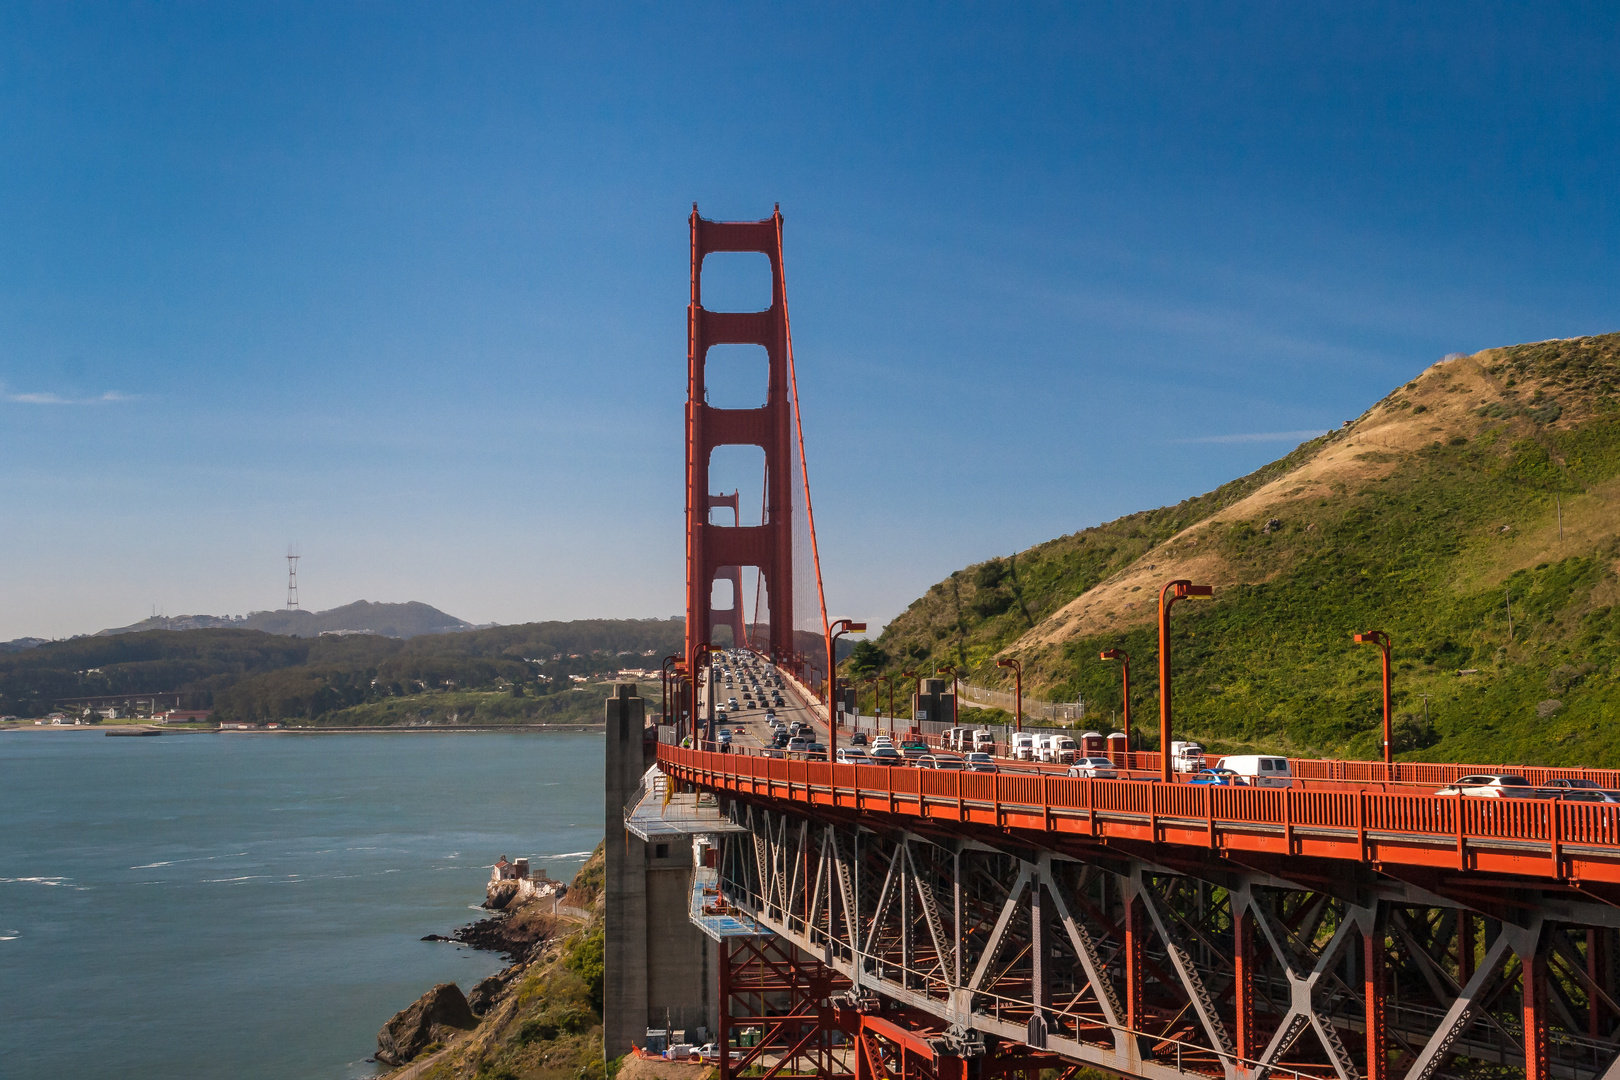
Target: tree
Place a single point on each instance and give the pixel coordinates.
(866, 658)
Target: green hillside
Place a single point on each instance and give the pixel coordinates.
(504, 674)
(1488, 481)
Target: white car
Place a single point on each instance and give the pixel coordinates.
(853, 755)
(1491, 787)
(1094, 768)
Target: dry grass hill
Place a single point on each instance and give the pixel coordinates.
(1488, 480)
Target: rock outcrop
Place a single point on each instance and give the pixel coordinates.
(436, 1016)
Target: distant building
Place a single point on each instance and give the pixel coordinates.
(184, 716)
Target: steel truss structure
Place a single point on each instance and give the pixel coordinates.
(976, 952)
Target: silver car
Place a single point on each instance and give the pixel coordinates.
(1094, 768)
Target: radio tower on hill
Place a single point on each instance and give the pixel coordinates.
(292, 578)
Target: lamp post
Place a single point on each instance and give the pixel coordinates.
(1172, 591)
(1018, 689)
(1124, 658)
(877, 703)
(916, 688)
(890, 680)
(1381, 639)
(664, 682)
(703, 649)
(839, 629)
(956, 694)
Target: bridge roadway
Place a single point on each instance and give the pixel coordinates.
(1014, 921)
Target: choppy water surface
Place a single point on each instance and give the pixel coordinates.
(251, 905)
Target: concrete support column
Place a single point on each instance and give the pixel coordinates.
(624, 986)
(723, 1036)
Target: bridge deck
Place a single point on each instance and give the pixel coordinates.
(1564, 841)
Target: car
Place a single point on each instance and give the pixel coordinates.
(817, 748)
(853, 755)
(1591, 795)
(980, 762)
(775, 752)
(882, 740)
(798, 744)
(731, 703)
(887, 755)
(711, 1052)
(858, 739)
(1094, 768)
(941, 762)
(1216, 778)
(915, 750)
(1566, 788)
(1491, 786)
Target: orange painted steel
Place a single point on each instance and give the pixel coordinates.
(769, 545)
(1530, 838)
(733, 616)
(1172, 591)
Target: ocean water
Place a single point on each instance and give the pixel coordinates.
(251, 906)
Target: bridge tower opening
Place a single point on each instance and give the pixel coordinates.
(733, 616)
(720, 551)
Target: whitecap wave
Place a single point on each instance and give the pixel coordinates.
(200, 858)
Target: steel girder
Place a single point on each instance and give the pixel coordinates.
(1105, 956)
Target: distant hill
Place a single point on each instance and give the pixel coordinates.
(251, 674)
(362, 617)
(1473, 513)
(19, 644)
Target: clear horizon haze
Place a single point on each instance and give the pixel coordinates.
(406, 284)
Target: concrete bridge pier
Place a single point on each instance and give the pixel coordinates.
(659, 969)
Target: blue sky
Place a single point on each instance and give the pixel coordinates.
(407, 284)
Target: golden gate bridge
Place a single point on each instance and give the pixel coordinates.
(897, 923)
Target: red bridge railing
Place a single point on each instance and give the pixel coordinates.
(1541, 838)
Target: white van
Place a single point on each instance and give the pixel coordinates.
(1259, 770)
(984, 742)
(1022, 746)
(957, 738)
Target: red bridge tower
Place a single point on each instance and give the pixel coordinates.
(712, 549)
